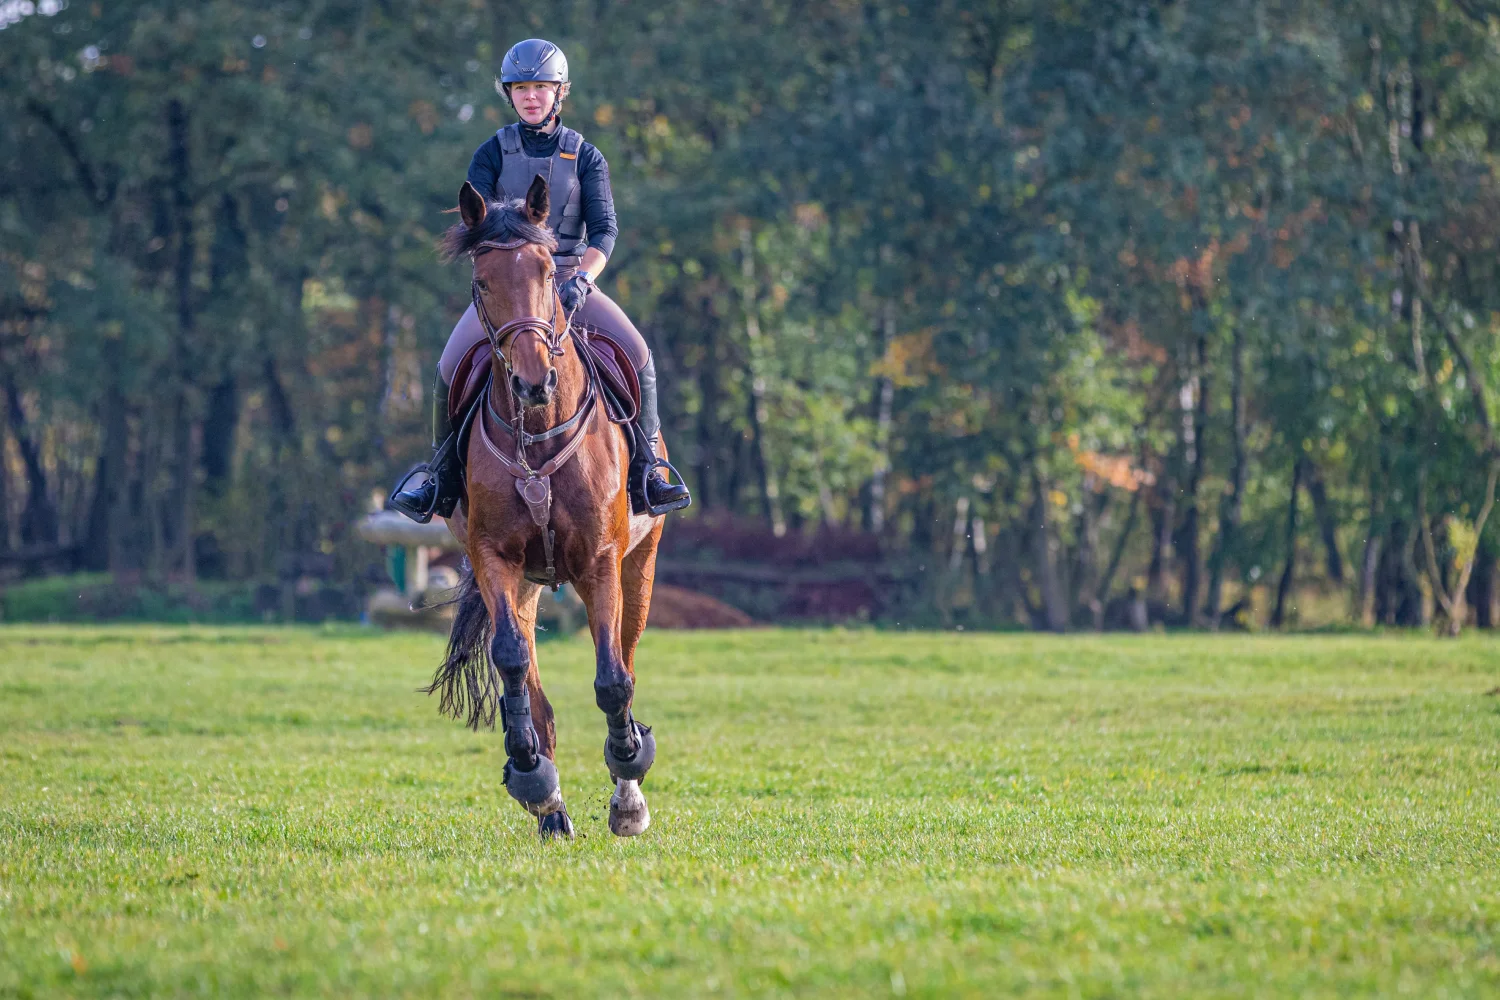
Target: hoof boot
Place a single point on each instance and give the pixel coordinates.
(628, 815)
(633, 768)
(555, 826)
(538, 789)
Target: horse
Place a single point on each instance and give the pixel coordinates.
(545, 502)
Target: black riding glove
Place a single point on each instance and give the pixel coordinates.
(575, 291)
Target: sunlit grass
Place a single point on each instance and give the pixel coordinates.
(252, 812)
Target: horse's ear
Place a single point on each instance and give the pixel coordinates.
(538, 202)
(471, 207)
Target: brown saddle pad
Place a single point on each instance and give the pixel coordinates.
(469, 377)
(622, 392)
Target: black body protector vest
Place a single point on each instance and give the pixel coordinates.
(561, 171)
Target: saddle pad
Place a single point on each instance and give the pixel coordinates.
(469, 377)
(622, 396)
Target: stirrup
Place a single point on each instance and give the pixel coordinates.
(666, 508)
(419, 514)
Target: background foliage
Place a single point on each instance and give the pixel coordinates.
(1089, 313)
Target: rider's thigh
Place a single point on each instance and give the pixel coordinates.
(601, 311)
(465, 335)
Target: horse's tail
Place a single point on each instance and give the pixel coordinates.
(469, 683)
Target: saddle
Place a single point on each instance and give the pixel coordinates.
(618, 386)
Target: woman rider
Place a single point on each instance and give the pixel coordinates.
(534, 78)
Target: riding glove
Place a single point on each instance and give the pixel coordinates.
(575, 291)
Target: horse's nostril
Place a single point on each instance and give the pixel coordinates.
(551, 381)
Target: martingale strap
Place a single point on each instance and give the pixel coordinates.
(525, 437)
(535, 485)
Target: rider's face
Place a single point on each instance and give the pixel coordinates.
(533, 100)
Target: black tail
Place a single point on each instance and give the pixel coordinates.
(469, 683)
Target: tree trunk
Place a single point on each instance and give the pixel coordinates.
(38, 519)
(1482, 587)
(1370, 561)
(1327, 523)
(109, 473)
(1453, 597)
(1054, 606)
(1232, 505)
(1195, 456)
(1086, 576)
(1288, 572)
(1163, 515)
(186, 433)
(1101, 592)
(708, 421)
(759, 418)
(885, 394)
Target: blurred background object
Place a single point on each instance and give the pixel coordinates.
(1029, 315)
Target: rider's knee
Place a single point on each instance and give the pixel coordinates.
(467, 332)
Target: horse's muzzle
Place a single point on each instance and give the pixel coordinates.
(535, 394)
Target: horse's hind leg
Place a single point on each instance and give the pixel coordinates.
(530, 774)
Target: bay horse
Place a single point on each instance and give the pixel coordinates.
(551, 507)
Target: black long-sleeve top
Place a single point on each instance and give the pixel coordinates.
(598, 201)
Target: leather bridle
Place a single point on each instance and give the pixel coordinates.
(544, 330)
(534, 484)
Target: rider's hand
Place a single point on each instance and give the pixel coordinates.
(575, 291)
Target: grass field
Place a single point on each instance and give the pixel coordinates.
(275, 812)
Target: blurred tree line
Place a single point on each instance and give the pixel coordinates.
(1094, 313)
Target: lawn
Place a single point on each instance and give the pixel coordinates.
(250, 812)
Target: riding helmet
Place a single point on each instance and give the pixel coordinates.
(534, 59)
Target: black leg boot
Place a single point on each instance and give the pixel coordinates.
(441, 485)
(650, 492)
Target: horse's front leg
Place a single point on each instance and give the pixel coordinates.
(629, 747)
(530, 774)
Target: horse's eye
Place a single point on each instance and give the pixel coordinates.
(484, 286)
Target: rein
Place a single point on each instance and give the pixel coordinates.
(534, 484)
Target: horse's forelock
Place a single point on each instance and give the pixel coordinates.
(504, 222)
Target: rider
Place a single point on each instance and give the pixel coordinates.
(534, 79)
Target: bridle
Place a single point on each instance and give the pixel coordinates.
(544, 330)
(534, 484)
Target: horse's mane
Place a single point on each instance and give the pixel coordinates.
(504, 222)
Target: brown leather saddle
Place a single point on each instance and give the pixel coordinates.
(618, 386)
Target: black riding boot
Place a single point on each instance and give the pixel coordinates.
(442, 483)
(650, 493)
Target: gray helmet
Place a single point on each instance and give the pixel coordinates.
(534, 59)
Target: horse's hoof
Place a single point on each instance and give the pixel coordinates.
(628, 815)
(636, 767)
(556, 825)
(538, 789)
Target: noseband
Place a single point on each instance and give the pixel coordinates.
(544, 330)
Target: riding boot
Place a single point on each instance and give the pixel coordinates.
(650, 492)
(442, 483)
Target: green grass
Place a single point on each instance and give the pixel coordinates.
(270, 812)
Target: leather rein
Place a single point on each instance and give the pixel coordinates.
(534, 484)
